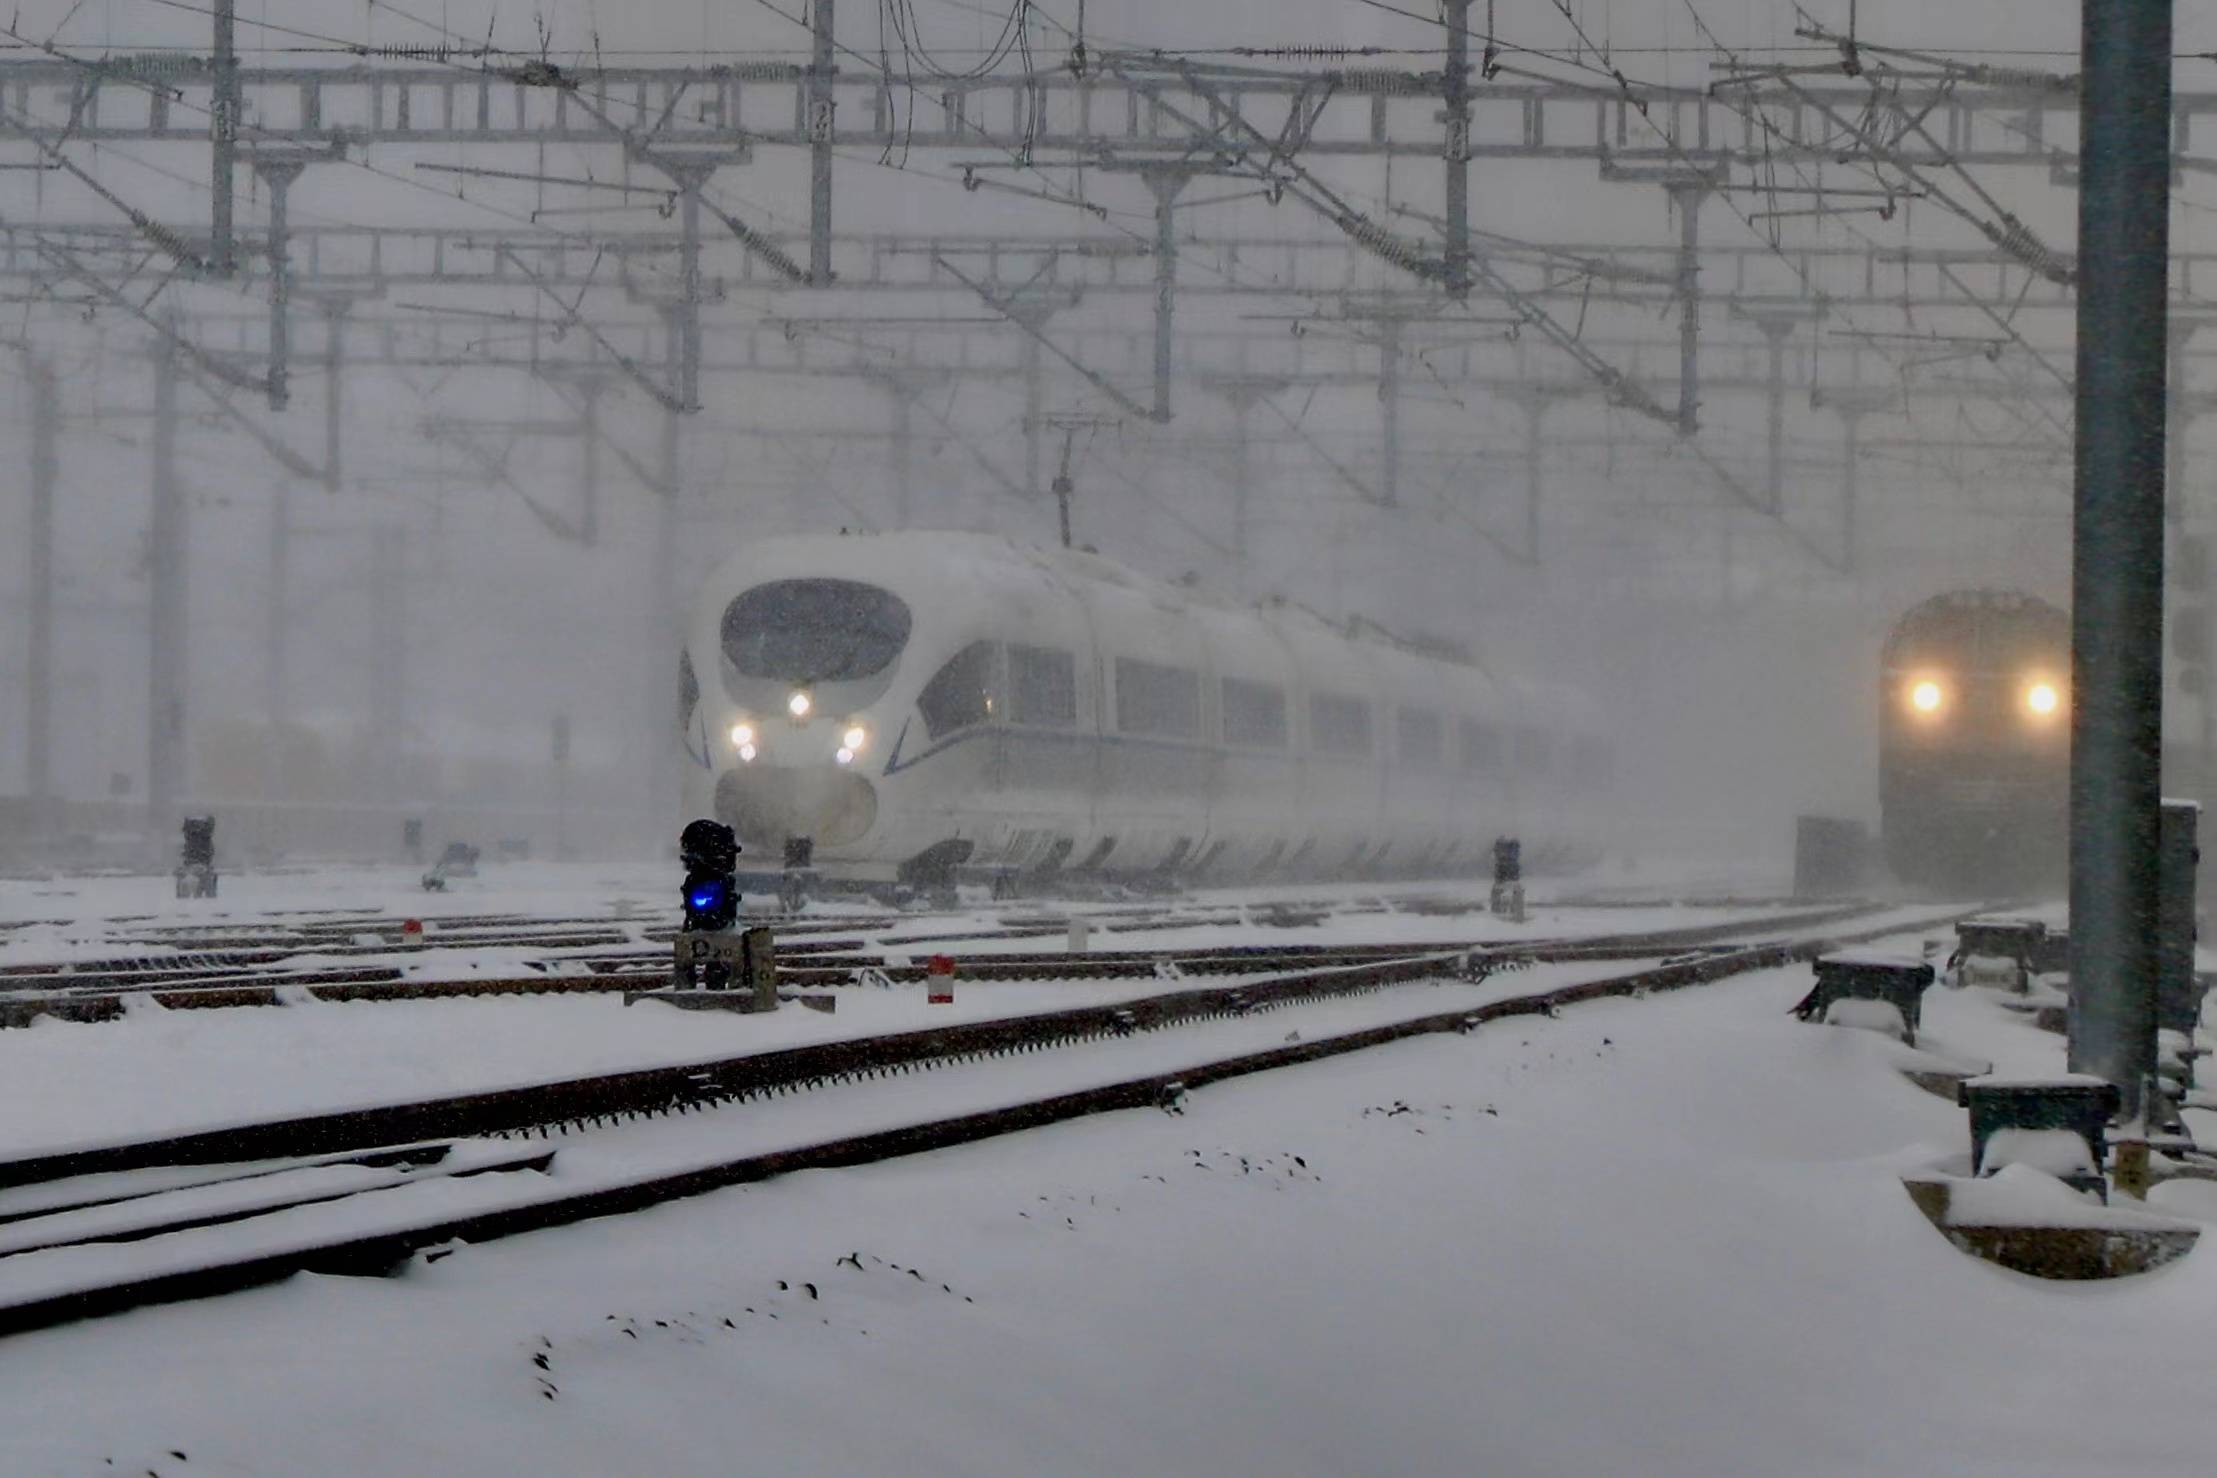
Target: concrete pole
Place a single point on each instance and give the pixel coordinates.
(2117, 558)
(38, 666)
(167, 644)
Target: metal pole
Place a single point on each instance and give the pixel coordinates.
(2117, 558)
(820, 111)
(38, 667)
(1035, 407)
(1456, 151)
(1535, 473)
(223, 116)
(1165, 183)
(334, 363)
(666, 620)
(276, 636)
(1687, 198)
(688, 386)
(1851, 485)
(1774, 390)
(2177, 420)
(904, 461)
(1242, 485)
(1389, 410)
(388, 659)
(588, 527)
(166, 644)
(280, 176)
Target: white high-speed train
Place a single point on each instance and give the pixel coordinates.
(908, 708)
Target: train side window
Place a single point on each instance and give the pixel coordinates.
(1423, 737)
(1159, 700)
(1042, 687)
(1254, 714)
(962, 693)
(1481, 746)
(1339, 725)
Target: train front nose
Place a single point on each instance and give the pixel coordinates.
(768, 804)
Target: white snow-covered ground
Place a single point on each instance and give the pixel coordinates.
(1655, 1237)
(157, 1070)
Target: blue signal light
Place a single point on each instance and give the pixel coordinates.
(706, 896)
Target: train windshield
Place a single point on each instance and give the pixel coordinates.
(814, 631)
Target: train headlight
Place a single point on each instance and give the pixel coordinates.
(855, 738)
(742, 736)
(1925, 696)
(844, 756)
(2042, 698)
(746, 754)
(798, 705)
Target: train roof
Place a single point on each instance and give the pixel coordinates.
(927, 563)
(1958, 614)
(1973, 603)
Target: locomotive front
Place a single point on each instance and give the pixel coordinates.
(796, 672)
(1974, 752)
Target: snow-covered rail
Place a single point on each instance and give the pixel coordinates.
(99, 990)
(114, 1250)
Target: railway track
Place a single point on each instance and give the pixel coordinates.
(581, 962)
(96, 1229)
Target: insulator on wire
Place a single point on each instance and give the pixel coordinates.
(428, 53)
(2016, 239)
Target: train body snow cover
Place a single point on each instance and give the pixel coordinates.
(904, 708)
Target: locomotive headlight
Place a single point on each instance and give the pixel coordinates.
(746, 754)
(844, 757)
(798, 705)
(742, 736)
(1925, 696)
(2041, 698)
(855, 738)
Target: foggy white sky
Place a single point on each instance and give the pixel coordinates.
(500, 638)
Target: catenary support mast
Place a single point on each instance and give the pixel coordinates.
(2117, 558)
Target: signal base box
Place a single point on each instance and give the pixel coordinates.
(742, 962)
